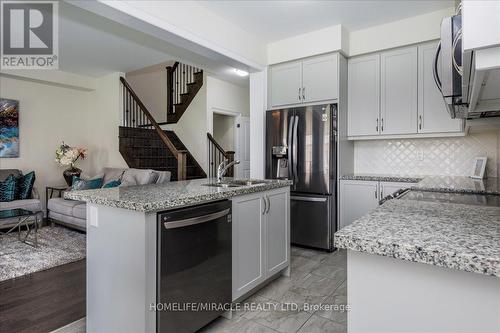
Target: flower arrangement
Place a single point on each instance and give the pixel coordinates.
(66, 155)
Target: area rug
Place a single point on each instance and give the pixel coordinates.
(56, 246)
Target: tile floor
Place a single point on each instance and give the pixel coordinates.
(316, 278)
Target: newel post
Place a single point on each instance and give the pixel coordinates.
(182, 165)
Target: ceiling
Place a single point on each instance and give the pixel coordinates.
(274, 20)
(94, 46)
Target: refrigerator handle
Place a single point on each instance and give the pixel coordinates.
(295, 149)
(290, 145)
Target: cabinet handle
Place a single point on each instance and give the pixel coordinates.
(420, 123)
(304, 93)
(376, 194)
(299, 94)
(382, 125)
(265, 205)
(268, 205)
(376, 126)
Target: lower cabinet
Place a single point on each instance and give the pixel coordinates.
(261, 238)
(359, 197)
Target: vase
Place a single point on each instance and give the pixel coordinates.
(70, 173)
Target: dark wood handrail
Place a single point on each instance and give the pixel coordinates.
(180, 155)
(216, 144)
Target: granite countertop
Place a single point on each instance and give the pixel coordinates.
(381, 177)
(156, 197)
(455, 236)
(459, 184)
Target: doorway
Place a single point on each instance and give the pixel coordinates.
(232, 132)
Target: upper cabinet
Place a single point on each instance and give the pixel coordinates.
(304, 81)
(398, 91)
(363, 80)
(433, 117)
(392, 94)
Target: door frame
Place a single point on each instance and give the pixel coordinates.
(235, 115)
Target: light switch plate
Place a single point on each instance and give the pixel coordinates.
(93, 217)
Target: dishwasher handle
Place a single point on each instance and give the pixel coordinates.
(195, 220)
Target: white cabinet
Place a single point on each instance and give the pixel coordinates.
(363, 95)
(433, 117)
(277, 231)
(359, 197)
(398, 91)
(392, 94)
(286, 83)
(309, 80)
(261, 238)
(320, 79)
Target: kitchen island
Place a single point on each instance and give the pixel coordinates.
(123, 235)
(417, 266)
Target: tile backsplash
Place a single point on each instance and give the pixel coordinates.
(452, 156)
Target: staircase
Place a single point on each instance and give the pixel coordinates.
(183, 83)
(217, 155)
(144, 145)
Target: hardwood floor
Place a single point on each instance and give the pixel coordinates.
(43, 301)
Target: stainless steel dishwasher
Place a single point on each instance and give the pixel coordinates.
(193, 266)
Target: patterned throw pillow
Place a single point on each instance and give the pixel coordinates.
(8, 189)
(113, 183)
(83, 184)
(24, 186)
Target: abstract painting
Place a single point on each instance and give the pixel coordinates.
(9, 128)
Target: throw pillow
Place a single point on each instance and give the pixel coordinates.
(24, 186)
(8, 189)
(86, 184)
(113, 183)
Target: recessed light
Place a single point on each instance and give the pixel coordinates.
(240, 72)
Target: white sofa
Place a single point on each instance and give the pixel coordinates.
(72, 213)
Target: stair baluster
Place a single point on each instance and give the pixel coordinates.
(183, 83)
(216, 155)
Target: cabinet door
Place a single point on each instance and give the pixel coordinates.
(278, 231)
(387, 188)
(433, 117)
(357, 198)
(286, 83)
(363, 93)
(320, 81)
(398, 104)
(248, 239)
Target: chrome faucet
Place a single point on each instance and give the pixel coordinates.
(223, 167)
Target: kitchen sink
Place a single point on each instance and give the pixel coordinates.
(246, 182)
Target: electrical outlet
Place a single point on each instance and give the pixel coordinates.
(420, 155)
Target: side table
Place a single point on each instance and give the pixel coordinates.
(49, 193)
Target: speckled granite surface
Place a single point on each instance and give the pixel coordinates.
(151, 198)
(380, 177)
(456, 236)
(457, 184)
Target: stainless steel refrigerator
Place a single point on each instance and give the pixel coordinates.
(301, 145)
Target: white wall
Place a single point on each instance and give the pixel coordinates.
(150, 84)
(223, 131)
(50, 112)
(441, 156)
(225, 97)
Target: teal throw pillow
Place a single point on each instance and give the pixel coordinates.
(84, 184)
(113, 183)
(24, 186)
(8, 189)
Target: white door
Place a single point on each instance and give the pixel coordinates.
(357, 198)
(242, 145)
(398, 91)
(363, 93)
(286, 83)
(248, 232)
(277, 230)
(387, 188)
(433, 117)
(320, 81)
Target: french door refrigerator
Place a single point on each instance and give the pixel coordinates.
(301, 146)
